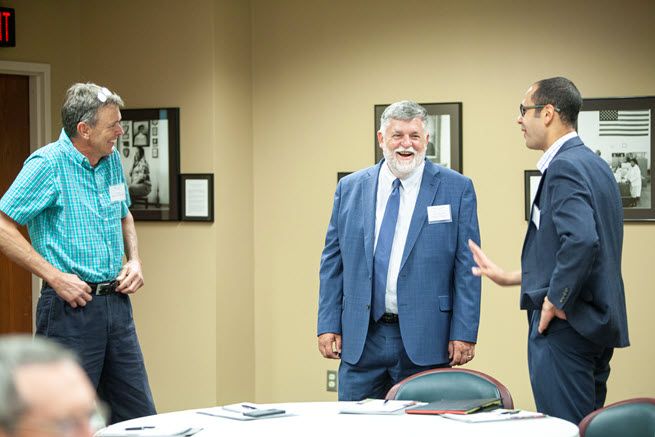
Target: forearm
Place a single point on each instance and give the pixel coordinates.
(130, 240)
(512, 278)
(20, 251)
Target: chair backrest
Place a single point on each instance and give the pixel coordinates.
(440, 384)
(632, 417)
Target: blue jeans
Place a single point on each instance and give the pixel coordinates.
(103, 336)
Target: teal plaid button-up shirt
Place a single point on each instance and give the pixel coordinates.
(66, 204)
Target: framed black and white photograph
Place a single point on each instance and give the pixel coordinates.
(620, 131)
(140, 130)
(531, 179)
(152, 172)
(444, 125)
(197, 197)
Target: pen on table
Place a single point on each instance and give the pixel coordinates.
(385, 401)
(248, 406)
(139, 428)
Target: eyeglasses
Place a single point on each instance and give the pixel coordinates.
(524, 109)
(104, 94)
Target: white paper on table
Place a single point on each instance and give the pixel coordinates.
(496, 415)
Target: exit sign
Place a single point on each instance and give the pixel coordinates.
(7, 27)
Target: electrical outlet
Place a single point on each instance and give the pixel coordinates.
(331, 383)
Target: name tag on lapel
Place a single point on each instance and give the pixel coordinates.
(439, 214)
(117, 193)
(536, 215)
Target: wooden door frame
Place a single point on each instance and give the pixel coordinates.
(40, 124)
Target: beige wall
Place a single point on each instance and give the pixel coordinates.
(318, 69)
(275, 98)
(195, 315)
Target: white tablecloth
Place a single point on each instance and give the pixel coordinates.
(319, 419)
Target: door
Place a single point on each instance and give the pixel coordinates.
(15, 282)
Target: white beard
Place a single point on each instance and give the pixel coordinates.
(402, 169)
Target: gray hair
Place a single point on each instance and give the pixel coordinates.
(82, 103)
(17, 351)
(403, 110)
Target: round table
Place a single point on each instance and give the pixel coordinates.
(318, 419)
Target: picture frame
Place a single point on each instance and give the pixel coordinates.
(531, 179)
(197, 197)
(444, 125)
(620, 130)
(152, 178)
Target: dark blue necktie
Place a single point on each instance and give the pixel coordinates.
(383, 251)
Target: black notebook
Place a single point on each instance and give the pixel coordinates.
(458, 406)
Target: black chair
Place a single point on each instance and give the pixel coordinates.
(632, 417)
(455, 384)
(140, 200)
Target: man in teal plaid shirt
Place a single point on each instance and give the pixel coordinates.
(72, 196)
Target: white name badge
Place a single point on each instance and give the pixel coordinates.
(439, 214)
(117, 193)
(536, 215)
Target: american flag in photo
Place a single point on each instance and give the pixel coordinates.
(619, 123)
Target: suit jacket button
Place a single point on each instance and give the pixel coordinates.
(368, 307)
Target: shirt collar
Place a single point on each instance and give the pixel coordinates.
(70, 149)
(77, 156)
(410, 182)
(549, 154)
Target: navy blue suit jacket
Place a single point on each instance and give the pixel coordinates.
(438, 297)
(574, 257)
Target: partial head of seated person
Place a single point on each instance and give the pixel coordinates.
(44, 391)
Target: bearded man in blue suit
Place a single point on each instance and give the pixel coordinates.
(396, 294)
(570, 277)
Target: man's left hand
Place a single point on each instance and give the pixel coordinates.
(131, 277)
(460, 352)
(548, 312)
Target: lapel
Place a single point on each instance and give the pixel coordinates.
(573, 142)
(429, 184)
(531, 226)
(369, 199)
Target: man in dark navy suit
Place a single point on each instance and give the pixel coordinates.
(571, 284)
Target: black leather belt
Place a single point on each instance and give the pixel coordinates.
(97, 289)
(389, 318)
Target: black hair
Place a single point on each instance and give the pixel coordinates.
(562, 94)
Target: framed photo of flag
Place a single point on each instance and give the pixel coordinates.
(620, 131)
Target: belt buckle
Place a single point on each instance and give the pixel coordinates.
(389, 318)
(105, 288)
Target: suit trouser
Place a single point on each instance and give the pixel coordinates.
(103, 335)
(384, 362)
(568, 373)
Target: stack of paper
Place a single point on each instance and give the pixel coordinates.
(456, 406)
(494, 416)
(375, 406)
(243, 411)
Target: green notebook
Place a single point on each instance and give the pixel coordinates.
(456, 406)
